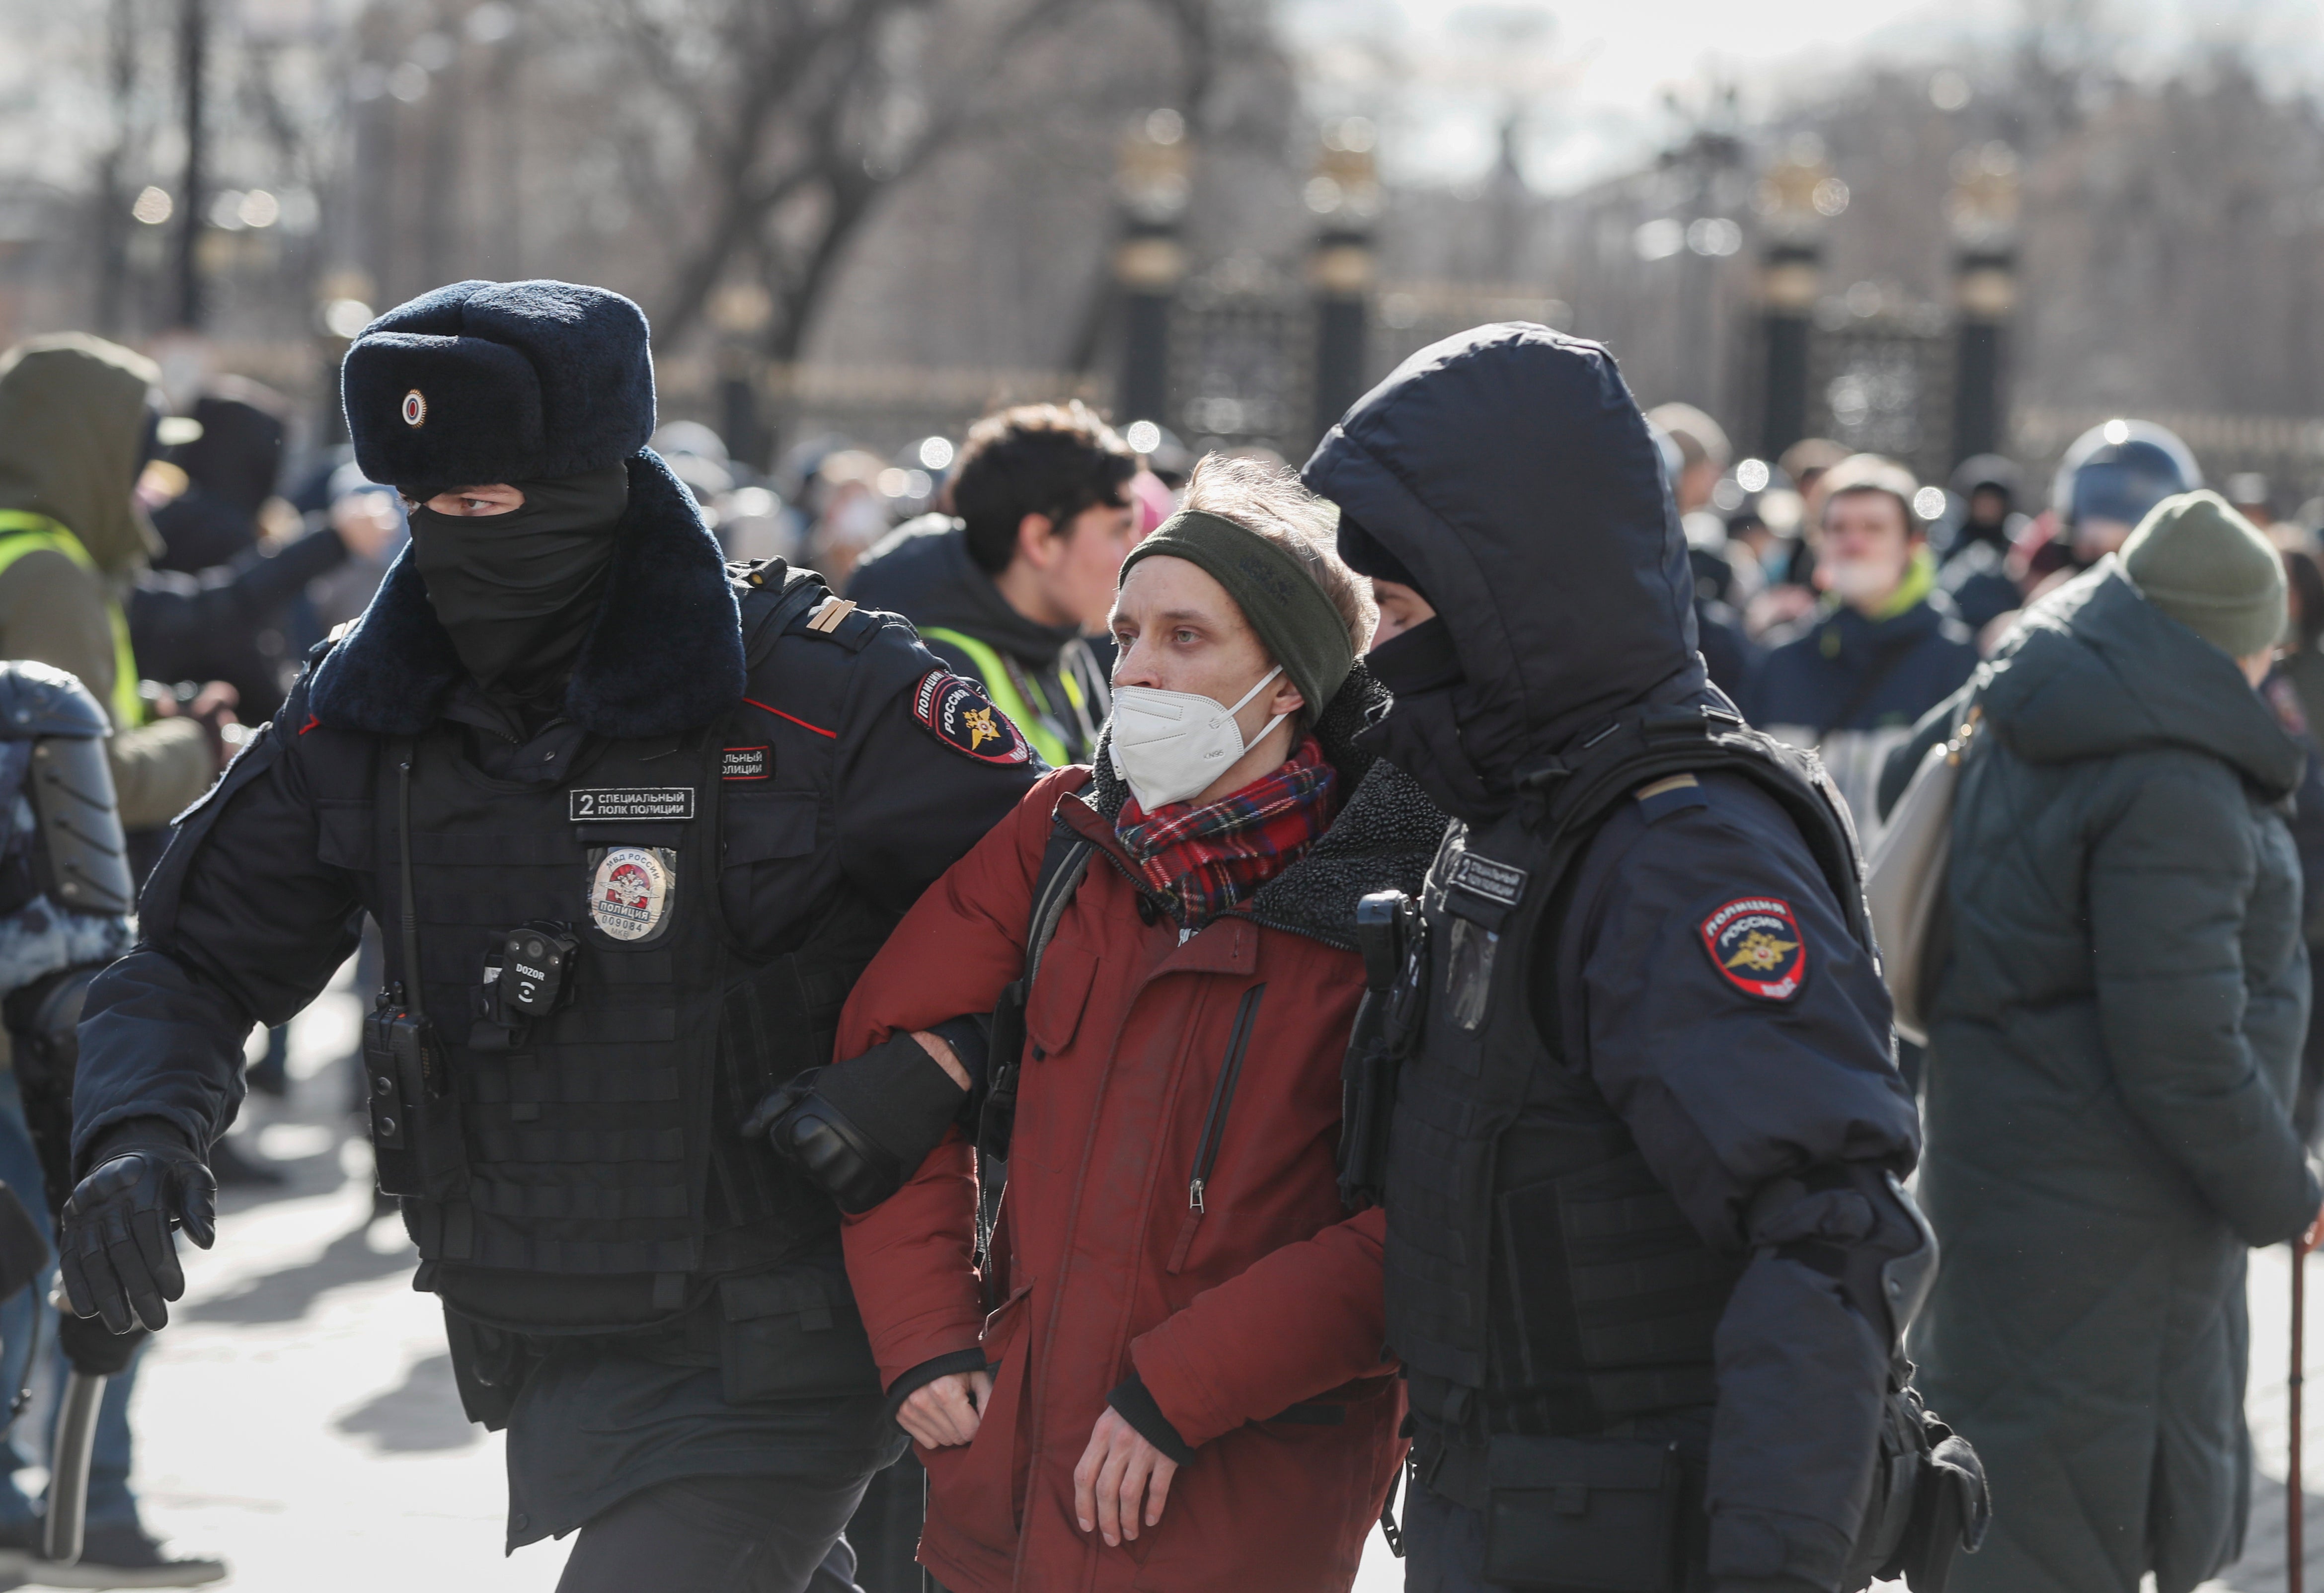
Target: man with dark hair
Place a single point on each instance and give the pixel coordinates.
(633, 821)
(1005, 585)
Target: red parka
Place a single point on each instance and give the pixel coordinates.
(1253, 1314)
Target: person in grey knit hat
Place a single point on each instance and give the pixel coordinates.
(2208, 568)
(2116, 1029)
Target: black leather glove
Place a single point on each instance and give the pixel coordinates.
(860, 1128)
(114, 1245)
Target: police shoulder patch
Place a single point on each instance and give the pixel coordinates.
(957, 713)
(1755, 943)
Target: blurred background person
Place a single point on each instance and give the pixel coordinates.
(1886, 647)
(1704, 452)
(1982, 526)
(2248, 490)
(850, 514)
(230, 467)
(76, 427)
(1789, 592)
(2108, 480)
(370, 517)
(77, 422)
(1695, 453)
(2295, 690)
(2115, 1031)
(1008, 580)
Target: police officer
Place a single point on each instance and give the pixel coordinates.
(632, 822)
(1648, 1260)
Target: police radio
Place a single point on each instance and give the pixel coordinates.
(415, 1111)
(1392, 937)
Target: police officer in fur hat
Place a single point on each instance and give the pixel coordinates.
(631, 821)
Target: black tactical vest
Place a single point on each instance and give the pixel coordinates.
(1539, 1279)
(585, 1170)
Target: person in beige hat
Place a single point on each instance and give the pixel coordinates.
(2113, 1035)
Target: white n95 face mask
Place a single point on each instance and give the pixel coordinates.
(1170, 744)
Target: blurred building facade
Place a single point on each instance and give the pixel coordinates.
(876, 220)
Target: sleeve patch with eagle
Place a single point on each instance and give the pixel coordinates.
(958, 714)
(1755, 943)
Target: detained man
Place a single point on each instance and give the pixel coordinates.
(1205, 1403)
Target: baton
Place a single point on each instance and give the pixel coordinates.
(76, 1441)
(2293, 1555)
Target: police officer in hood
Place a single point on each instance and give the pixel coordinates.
(1648, 1262)
(630, 820)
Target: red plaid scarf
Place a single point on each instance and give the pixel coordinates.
(1203, 861)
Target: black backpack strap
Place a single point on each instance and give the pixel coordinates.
(1568, 796)
(1065, 863)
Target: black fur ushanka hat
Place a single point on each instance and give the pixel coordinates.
(481, 381)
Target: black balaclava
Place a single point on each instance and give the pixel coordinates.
(518, 591)
(1422, 733)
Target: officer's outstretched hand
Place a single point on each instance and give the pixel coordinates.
(114, 1245)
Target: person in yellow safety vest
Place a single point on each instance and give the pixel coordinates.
(1010, 583)
(74, 433)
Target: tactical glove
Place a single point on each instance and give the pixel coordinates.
(114, 1245)
(860, 1128)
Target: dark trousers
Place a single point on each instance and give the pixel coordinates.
(1443, 1546)
(720, 1534)
(1445, 1550)
(886, 1530)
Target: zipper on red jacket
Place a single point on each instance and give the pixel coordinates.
(1207, 1152)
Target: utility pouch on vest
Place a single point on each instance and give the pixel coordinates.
(791, 1335)
(1584, 1515)
(1929, 1501)
(1390, 936)
(489, 1368)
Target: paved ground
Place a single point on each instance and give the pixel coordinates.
(298, 1417)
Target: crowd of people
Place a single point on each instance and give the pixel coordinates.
(1034, 1014)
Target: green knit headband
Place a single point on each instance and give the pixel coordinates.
(1295, 621)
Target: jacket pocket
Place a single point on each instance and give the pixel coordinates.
(978, 1488)
(792, 1334)
(1053, 1013)
(765, 825)
(1053, 1017)
(1584, 1515)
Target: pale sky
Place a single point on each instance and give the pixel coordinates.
(1436, 72)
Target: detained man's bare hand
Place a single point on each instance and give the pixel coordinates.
(2314, 1236)
(947, 1412)
(1120, 1475)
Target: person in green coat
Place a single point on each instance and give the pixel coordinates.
(2114, 1033)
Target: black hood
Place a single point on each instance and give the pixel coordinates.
(1509, 471)
(922, 570)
